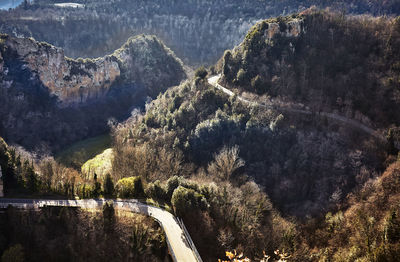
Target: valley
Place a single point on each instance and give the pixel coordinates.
(76, 99)
(200, 131)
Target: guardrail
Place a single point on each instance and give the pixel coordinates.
(71, 203)
(171, 251)
(189, 239)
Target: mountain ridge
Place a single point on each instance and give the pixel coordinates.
(79, 80)
(40, 87)
(328, 62)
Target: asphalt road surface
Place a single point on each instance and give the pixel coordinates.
(178, 242)
(214, 82)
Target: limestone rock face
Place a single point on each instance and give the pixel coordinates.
(77, 81)
(70, 80)
(48, 100)
(146, 60)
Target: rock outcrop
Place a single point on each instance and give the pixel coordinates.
(76, 81)
(293, 28)
(72, 99)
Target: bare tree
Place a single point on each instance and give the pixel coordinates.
(226, 162)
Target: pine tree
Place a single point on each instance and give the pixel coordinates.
(31, 182)
(97, 187)
(108, 186)
(108, 217)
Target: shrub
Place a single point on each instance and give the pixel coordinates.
(85, 191)
(257, 85)
(156, 191)
(241, 76)
(201, 72)
(185, 199)
(13, 254)
(172, 184)
(108, 186)
(130, 187)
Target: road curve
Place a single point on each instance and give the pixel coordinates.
(214, 82)
(178, 242)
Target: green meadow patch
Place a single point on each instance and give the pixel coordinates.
(80, 152)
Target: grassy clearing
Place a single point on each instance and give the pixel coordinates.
(78, 153)
(100, 165)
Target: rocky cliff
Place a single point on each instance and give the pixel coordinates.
(139, 61)
(71, 99)
(198, 31)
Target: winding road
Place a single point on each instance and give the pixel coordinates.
(180, 245)
(214, 82)
(179, 242)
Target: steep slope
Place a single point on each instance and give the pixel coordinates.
(308, 165)
(138, 61)
(366, 228)
(329, 62)
(69, 99)
(197, 31)
(304, 164)
(72, 234)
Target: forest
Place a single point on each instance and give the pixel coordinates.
(197, 31)
(250, 182)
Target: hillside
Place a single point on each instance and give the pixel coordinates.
(287, 149)
(77, 81)
(69, 234)
(366, 228)
(327, 61)
(197, 120)
(73, 99)
(307, 165)
(197, 31)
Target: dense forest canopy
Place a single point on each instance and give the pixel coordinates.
(197, 31)
(330, 62)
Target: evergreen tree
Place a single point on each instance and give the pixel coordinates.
(108, 217)
(31, 180)
(97, 187)
(108, 186)
(392, 228)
